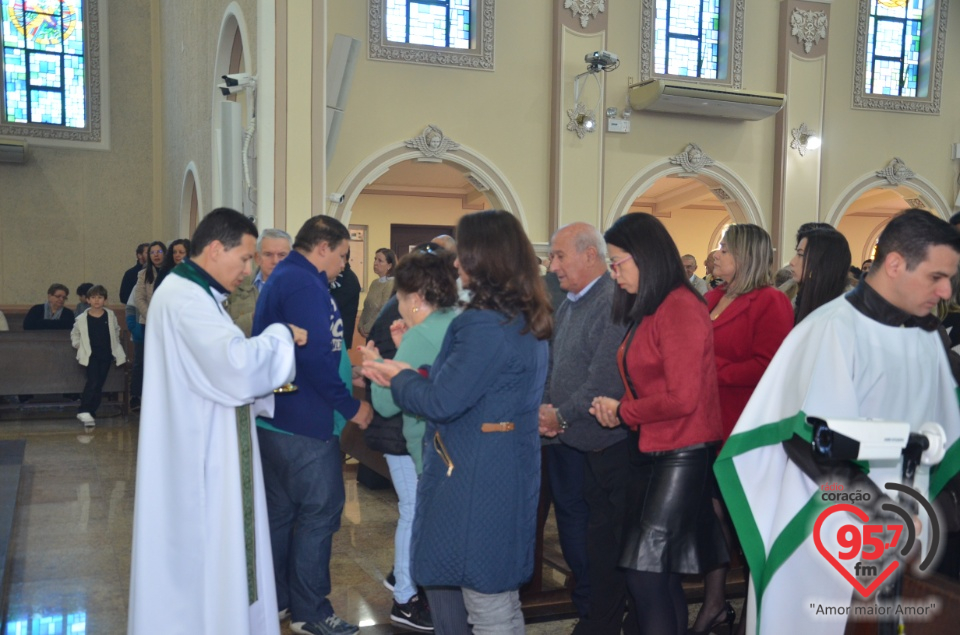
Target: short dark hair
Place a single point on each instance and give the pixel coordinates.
(320, 229)
(504, 270)
(955, 219)
(429, 271)
(84, 288)
(656, 256)
(142, 247)
(806, 228)
(56, 286)
(911, 234)
(97, 290)
(223, 224)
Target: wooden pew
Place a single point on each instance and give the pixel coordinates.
(45, 363)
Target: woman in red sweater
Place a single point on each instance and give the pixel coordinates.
(671, 405)
(750, 318)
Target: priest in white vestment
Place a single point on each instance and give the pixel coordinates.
(201, 559)
(874, 353)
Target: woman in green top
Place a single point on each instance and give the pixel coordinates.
(426, 286)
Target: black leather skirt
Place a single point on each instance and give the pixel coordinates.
(671, 526)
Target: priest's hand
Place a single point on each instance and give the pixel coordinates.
(364, 415)
(605, 410)
(383, 372)
(299, 335)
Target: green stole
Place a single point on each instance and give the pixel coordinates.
(189, 272)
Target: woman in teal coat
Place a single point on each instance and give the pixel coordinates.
(475, 521)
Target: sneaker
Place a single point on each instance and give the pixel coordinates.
(390, 581)
(284, 614)
(86, 418)
(415, 614)
(333, 625)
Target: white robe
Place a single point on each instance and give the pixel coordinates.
(189, 569)
(837, 363)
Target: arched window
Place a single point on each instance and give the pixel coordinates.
(50, 61)
(900, 50)
(697, 39)
(442, 32)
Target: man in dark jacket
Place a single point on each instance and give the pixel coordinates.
(130, 275)
(346, 293)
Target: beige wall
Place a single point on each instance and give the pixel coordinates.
(73, 216)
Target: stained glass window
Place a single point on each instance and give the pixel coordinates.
(43, 62)
(687, 38)
(893, 47)
(443, 23)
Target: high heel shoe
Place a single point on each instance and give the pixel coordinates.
(726, 616)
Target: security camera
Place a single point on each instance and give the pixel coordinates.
(336, 197)
(236, 82)
(601, 61)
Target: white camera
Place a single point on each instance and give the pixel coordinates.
(872, 439)
(236, 82)
(601, 61)
(336, 197)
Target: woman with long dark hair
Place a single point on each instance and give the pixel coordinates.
(820, 268)
(177, 252)
(672, 407)
(147, 279)
(475, 524)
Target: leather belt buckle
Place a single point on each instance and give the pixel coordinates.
(503, 426)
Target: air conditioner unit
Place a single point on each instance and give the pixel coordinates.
(12, 151)
(703, 99)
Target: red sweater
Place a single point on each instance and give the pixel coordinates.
(745, 337)
(668, 363)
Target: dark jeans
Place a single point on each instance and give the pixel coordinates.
(566, 467)
(136, 374)
(607, 477)
(97, 370)
(303, 479)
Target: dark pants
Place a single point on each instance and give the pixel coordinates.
(303, 479)
(97, 370)
(448, 611)
(607, 476)
(136, 374)
(566, 468)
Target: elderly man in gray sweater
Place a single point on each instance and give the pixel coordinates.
(586, 463)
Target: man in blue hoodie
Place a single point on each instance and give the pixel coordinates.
(299, 446)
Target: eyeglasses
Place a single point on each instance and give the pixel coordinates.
(442, 451)
(614, 264)
(156, 252)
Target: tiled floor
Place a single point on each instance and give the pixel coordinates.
(68, 569)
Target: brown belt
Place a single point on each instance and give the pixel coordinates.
(503, 426)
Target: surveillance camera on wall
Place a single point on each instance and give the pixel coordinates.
(601, 61)
(236, 82)
(336, 197)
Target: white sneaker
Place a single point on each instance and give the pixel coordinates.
(284, 614)
(86, 418)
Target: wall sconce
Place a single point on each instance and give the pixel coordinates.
(804, 139)
(581, 119)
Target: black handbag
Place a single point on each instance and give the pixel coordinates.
(386, 435)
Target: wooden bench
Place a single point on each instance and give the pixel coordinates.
(45, 363)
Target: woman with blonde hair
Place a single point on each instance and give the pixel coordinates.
(750, 319)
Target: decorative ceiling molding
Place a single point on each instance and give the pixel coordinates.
(432, 143)
(917, 203)
(721, 194)
(896, 173)
(692, 159)
(809, 27)
(584, 9)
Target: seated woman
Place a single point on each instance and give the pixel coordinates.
(671, 406)
(426, 285)
(820, 269)
(378, 291)
(51, 315)
(475, 523)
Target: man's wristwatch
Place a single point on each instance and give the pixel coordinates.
(560, 420)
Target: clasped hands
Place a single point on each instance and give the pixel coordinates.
(605, 410)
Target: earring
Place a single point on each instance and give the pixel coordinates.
(416, 309)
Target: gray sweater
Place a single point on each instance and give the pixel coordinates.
(583, 365)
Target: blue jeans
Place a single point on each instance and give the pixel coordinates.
(303, 479)
(404, 475)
